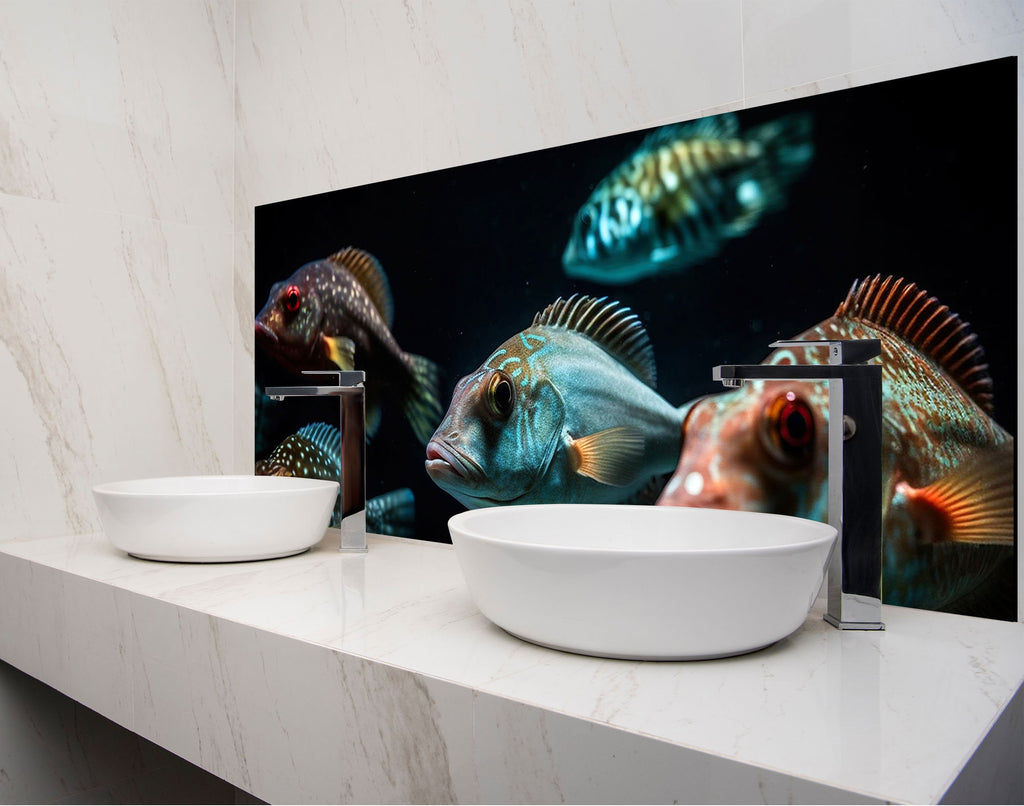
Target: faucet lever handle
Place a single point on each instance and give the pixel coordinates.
(344, 377)
(841, 351)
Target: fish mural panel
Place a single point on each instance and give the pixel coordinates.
(683, 193)
(338, 313)
(947, 466)
(719, 235)
(564, 411)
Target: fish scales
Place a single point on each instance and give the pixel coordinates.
(947, 465)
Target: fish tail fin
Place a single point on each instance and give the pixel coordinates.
(422, 404)
(972, 505)
(788, 141)
(788, 149)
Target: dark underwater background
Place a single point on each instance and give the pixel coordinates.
(915, 177)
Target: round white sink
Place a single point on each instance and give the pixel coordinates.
(215, 518)
(642, 582)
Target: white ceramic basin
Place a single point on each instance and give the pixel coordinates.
(642, 582)
(215, 518)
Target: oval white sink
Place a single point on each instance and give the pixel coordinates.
(208, 519)
(642, 582)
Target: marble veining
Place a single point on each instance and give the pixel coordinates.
(373, 678)
(50, 388)
(109, 379)
(100, 112)
(116, 183)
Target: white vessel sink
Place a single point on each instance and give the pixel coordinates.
(208, 519)
(642, 582)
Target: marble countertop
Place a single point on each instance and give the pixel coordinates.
(373, 678)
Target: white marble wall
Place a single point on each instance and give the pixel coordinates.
(116, 317)
(116, 311)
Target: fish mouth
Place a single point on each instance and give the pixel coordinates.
(445, 461)
(265, 334)
(458, 474)
(293, 357)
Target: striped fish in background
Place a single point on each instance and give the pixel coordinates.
(683, 193)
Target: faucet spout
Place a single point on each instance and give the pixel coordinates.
(854, 469)
(350, 388)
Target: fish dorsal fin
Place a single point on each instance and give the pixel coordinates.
(370, 275)
(912, 314)
(613, 326)
(714, 127)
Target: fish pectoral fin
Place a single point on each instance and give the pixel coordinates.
(971, 505)
(341, 350)
(613, 456)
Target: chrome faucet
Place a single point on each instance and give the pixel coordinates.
(854, 469)
(350, 388)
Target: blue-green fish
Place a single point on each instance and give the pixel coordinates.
(947, 466)
(683, 193)
(314, 452)
(564, 411)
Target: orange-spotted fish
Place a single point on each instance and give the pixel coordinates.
(338, 313)
(314, 452)
(564, 411)
(947, 466)
(683, 193)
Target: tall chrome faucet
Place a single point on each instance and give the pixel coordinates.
(350, 388)
(854, 469)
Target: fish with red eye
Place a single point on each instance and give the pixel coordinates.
(337, 313)
(948, 467)
(755, 449)
(787, 430)
(291, 299)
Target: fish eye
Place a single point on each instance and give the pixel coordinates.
(292, 299)
(787, 430)
(500, 396)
